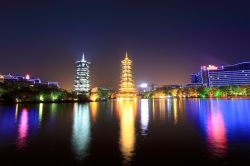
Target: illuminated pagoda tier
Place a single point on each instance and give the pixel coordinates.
(81, 82)
(127, 86)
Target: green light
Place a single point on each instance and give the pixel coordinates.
(41, 98)
(202, 96)
(54, 97)
(217, 93)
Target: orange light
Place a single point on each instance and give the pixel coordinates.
(212, 67)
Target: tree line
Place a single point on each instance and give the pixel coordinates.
(200, 92)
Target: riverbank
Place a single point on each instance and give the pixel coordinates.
(200, 92)
(25, 93)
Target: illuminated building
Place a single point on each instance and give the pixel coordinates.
(144, 87)
(127, 86)
(82, 83)
(237, 74)
(27, 79)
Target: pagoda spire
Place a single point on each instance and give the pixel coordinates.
(83, 59)
(126, 54)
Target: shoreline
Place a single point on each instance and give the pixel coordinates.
(89, 101)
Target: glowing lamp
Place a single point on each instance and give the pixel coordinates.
(27, 77)
(144, 85)
(41, 98)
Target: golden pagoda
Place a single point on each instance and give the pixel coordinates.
(127, 86)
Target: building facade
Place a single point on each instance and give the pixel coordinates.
(81, 82)
(26, 79)
(144, 87)
(237, 74)
(127, 86)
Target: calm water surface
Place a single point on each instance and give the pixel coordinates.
(138, 132)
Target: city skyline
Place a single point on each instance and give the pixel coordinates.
(168, 41)
(132, 82)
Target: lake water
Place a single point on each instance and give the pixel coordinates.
(137, 132)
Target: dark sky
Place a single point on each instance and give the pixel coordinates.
(167, 40)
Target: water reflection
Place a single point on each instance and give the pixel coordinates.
(162, 108)
(216, 134)
(144, 116)
(40, 112)
(159, 109)
(93, 109)
(22, 129)
(169, 108)
(213, 123)
(127, 114)
(81, 130)
(175, 111)
(16, 112)
(216, 131)
(53, 110)
(213, 130)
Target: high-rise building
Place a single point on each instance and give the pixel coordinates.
(81, 82)
(237, 74)
(127, 87)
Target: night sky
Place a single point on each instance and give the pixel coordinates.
(167, 40)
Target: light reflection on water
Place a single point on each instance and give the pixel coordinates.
(175, 111)
(144, 116)
(162, 109)
(80, 130)
(22, 130)
(94, 111)
(216, 134)
(40, 113)
(127, 114)
(220, 121)
(222, 127)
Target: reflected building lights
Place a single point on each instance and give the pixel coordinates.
(16, 112)
(175, 111)
(153, 108)
(169, 108)
(144, 116)
(53, 109)
(216, 133)
(93, 110)
(127, 115)
(40, 114)
(162, 108)
(22, 129)
(81, 130)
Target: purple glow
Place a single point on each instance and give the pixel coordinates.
(22, 129)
